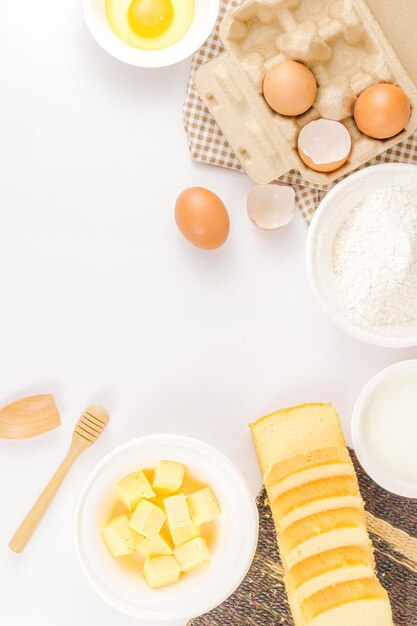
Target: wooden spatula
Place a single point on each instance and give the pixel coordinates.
(29, 417)
(87, 430)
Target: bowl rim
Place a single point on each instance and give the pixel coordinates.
(406, 489)
(167, 439)
(317, 223)
(148, 59)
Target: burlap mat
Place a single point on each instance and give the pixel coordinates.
(208, 144)
(261, 599)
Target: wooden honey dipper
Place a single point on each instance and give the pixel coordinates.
(86, 432)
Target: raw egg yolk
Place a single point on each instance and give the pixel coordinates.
(150, 18)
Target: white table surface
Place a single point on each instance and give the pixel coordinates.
(103, 301)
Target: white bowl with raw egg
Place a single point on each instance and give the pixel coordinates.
(231, 537)
(150, 33)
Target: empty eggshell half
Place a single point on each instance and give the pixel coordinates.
(324, 145)
(271, 206)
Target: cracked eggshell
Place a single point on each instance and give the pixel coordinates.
(271, 207)
(324, 145)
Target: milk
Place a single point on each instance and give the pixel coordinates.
(390, 425)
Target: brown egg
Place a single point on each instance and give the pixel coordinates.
(202, 218)
(290, 88)
(382, 111)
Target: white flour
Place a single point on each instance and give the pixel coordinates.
(375, 259)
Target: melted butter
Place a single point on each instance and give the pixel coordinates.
(133, 562)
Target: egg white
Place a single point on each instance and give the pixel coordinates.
(117, 12)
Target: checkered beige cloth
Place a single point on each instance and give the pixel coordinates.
(208, 144)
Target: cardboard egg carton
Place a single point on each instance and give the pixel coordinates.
(346, 50)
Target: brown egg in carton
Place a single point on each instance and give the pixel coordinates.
(345, 48)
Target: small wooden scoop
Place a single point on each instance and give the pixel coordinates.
(29, 417)
(87, 430)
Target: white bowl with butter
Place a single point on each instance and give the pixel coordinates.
(232, 549)
(203, 22)
(384, 428)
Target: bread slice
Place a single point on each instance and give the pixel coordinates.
(317, 490)
(314, 507)
(307, 476)
(304, 468)
(328, 569)
(356, 602)
(321, 564)
(322, 532)
(369, 612)
(296, 431)
(319, 524)
(342, 575)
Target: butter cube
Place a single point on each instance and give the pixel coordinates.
(182, 534)
(133, 488)
(155, 546)
(161, 571)
(203, 506)
(168, 476)
(192, 554)
(147, 519)
(119, 538)
(177, 510)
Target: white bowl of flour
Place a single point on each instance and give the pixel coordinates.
(361, 255)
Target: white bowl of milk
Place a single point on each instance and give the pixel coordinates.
(384, 428)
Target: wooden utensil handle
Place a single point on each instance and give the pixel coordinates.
(26, 529)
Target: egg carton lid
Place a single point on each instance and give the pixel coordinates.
(398, 20)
